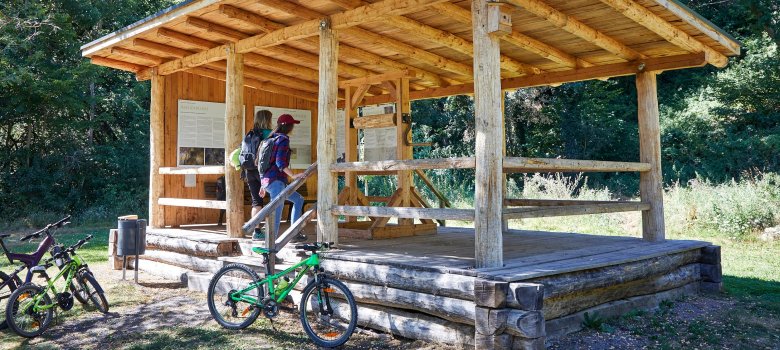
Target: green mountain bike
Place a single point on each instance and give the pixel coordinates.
(328, 312)
(30, 307)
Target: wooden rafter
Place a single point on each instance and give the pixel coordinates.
(307, 57)
(299, 31)
(257, 84)
(552, 78)
(574, 26)
(516, 38)
(137, 54)
(117, 64)
(666, 30)
(447, 39)
(272, 64)
(464, 71)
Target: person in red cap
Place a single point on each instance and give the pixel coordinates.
(275, 179)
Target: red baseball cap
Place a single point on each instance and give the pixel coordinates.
(287, 119)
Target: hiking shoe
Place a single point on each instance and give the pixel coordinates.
(258, 236)
(299, 238)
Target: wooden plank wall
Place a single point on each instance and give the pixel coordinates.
(192, 87)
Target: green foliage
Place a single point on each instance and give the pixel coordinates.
(74, 135)
(596, 322)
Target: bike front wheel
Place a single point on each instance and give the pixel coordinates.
(242, 309)
(328, 312)
(8, 285)
(89, 290)
(20, 314)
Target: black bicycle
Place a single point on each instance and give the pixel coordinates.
(9, 283)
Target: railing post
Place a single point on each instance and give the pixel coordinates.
(234, 110)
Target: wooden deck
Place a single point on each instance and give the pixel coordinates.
(527, 254)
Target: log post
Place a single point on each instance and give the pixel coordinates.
(404, 142)
(234, 108)
(504, 221)
(156, 149)
(488, 196)
(350, 145)
(650, 182)
(327, 186)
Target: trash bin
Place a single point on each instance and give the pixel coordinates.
(131, 238)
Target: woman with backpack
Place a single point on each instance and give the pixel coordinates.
(261, 129)
(275, 178)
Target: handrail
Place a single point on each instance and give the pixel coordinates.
(271, 206)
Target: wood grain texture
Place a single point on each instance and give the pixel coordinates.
(156, 150)
(488, 191)
(327, 223)
(650, 182)
(234, 116)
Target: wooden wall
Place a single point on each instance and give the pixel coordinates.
(186, 86)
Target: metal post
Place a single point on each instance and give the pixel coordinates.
(124, 266)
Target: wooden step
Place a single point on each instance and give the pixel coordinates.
(200, 244)
(163, 270)
(184, 261)
(199, 282)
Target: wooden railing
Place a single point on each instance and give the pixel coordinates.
(443, 201)
(511, 164)
(268, 213)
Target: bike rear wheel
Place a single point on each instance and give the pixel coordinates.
(328, 312)
(228, 312)
(90, 291)
(9, 285)
(20, 314)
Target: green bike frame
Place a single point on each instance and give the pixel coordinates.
(312, 261)
(69, 271)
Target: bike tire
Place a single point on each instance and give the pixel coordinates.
(218, 290)
(321, 286)
(92, 291)
(9, 286)
(43, 318)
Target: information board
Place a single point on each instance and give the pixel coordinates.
(201, 133)
(379, 143)
(300, 139)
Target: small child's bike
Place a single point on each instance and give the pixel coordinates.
(328, 312)
(30, 307)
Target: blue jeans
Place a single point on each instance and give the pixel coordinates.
(275, 188)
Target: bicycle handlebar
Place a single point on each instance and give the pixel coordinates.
(64, 221)
(72, 248)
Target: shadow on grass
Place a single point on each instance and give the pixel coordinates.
(181, 338)
(765, 293)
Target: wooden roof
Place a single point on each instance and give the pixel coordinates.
(551, 41)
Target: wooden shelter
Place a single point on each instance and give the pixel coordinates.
(323, 55)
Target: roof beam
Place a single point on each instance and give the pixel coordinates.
(307, 57)
(345, 51)
(117, 64)
(137, 54)
(307, 29)
(573, 26)
(516, 38)
(701, 24)
(256, 84)
(666, 30)
(450, 40)
(464, 71)
(553, 78)
(282, 67)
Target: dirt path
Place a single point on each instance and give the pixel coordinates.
(159, 314)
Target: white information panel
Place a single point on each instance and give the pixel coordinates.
(201, 133)
(379, 143)
(300, 139)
